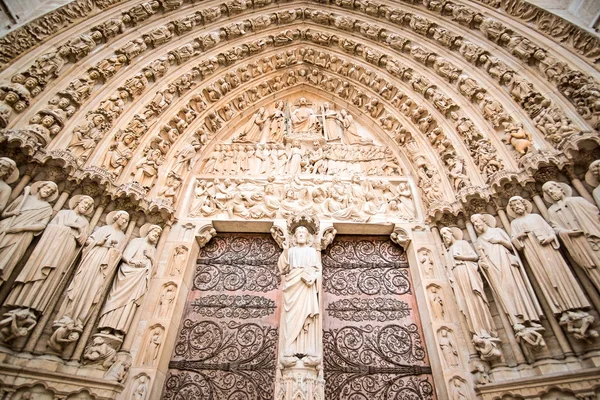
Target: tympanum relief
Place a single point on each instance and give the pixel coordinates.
(302, 156)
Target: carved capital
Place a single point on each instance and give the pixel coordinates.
(328, 236)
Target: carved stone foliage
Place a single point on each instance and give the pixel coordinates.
(372, 309)
(365, 267)
(221, 360)
(372, 342)
(237, 263)
(225, 306)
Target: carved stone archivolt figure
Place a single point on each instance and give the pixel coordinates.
(26, 216)
(467, 283)
(131, 282)
(8, 175)
(536, 238)
(576, 221)
(54, 253)
(501, 266)
(301, 267)
(101, 254)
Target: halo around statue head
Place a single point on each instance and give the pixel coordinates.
(488, 218)
(589, 175)
(566, 188)
(309, 221)
(38, 185)
(74, 202)
(147, 228)
(14, 175)
(528, 206)
(457, 233)
(112, 216)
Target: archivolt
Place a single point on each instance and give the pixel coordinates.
(390, 41)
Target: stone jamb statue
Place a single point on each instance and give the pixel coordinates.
(532, 235)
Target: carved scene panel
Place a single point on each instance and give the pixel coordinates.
(372, 336)
(226, 344)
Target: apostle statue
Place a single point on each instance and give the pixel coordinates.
(504, 272)
(131, 282)
(536, 238)
(576, 221)
(592, 177)
(52, 256)
(8, 174)
(300, 325)
(101, 254)
(304, 118)
(26, 217)
(467, 283)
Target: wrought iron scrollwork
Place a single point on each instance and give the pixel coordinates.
(225, 306)
(223, 361)
(235, 263)
(375, 362)
(371, 309)
(372, 267)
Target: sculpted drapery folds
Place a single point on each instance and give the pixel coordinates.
(536, 238)
(300, 326)
(36, 284)
(303, 118)
(576, 221)
(8, 174)
(131, 282)
(504, 272)
(26, 217)
(101, 254)
(467, 283)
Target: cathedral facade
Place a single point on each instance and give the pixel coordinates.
(299, 200)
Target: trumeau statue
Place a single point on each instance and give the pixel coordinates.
(26, 217)
(301, 266)
(468, 287)
(8, 174)
(592, 177)
(131, 282)
(54, 253)
(576, 221)
(501, 266)
(101, 254)
(536, 238)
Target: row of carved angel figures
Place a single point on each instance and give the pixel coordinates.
(357, 200)
(293, 159)
(572, 224)
(68, 256)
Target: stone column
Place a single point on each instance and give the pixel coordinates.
(25, 179)
(578, 185)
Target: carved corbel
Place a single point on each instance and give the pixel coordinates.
(401, 237)
(205, 234)
(279, 236)
(328, 236)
